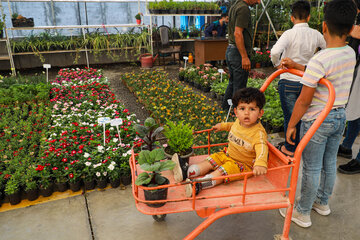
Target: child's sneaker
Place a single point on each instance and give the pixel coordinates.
(344, 152)
(298, 218)
(321, 209)
(179, 173)
(188, 188)
(351, 167)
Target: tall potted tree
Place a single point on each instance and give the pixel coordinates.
(150, 162)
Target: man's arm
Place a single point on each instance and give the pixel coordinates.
(301, 106)
(240, 44)
(278, 49)
(208, 30)
(289, 63)
(355, 33)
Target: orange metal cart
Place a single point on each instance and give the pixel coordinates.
(267, 192)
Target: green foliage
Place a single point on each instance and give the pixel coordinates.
(150, 161)
(180, 136)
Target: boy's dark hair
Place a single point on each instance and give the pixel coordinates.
(339, 16)
(300, 9)
(223, 15)
(248, 95)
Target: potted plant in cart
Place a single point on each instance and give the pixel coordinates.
(148, 133)
(180, 140)
(150, 162)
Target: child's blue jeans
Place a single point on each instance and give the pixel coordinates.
(319, 160)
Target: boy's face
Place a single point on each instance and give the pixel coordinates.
(248, 113)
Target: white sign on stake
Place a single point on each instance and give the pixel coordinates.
(47, 66)
(185, 58)
(116, 122)
(230, 104)
(221, 71)
(104, 121)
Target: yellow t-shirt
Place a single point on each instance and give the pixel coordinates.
(247, 145)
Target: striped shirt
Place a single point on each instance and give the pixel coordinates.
(337, 66)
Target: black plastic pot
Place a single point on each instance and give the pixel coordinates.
(153, 195)
(32, 194)
(115, 183)
(15, 198)
(76, 186)
(89, 184)
(101, 183)
(46, 192)
(126, 180)
(61, 186)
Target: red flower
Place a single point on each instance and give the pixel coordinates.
(64, 160)
(66, 168)
(39, 168)
(54, 168)
(71, 175)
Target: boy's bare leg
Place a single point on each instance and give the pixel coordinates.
(199, 169)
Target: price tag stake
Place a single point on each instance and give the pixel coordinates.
(230, 104)
(116, 122)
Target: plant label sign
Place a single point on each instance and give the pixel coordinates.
(229, 101)
(185, 58)
(47, 66)
(221, 71)
(116, 122)
(104, 121)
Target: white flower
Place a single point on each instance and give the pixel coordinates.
(100, 149)
(113, 163)
(111, 167)
(87, 163)
(86, 155)
(98, 174)
(104, 173)
(115, 140)
(97, 165)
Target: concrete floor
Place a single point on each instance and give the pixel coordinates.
(111, 214)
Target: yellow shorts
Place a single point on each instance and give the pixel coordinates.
(227, 166)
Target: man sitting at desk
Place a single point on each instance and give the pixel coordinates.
(218, 28)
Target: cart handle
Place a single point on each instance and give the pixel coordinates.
(304, 141)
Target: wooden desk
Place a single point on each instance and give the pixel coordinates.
(209, 49)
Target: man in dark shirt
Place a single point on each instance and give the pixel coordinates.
(218, 28)
(239, 49)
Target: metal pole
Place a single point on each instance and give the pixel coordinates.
(8, 46)
(272, 25)
(86, 51)
(53, 12)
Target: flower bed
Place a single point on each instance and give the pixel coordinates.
(169, 99)
(62, 142)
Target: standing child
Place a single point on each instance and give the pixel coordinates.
(247, 150)
(336, 63)
(300, 44)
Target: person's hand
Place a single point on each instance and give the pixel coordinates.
(217, 127)
(287, 63)
(259, 170)
(214, 33)
(246, 64)
(290, 135)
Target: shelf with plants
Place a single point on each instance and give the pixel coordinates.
(130, 43)
(188, 8)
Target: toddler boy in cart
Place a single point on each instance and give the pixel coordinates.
(247, 150)
(335, 63)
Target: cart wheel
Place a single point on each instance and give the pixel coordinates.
(159, 218)
(279, 237)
